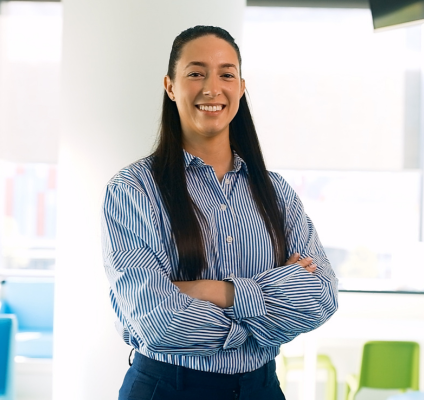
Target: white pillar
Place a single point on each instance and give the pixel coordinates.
(421, 143)
(115, 54)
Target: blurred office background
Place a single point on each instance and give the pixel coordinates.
(339, 110)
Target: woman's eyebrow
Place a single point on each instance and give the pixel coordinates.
(228, 65)
(198, 63)
(203, 64)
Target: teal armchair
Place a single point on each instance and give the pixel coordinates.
(8, 326)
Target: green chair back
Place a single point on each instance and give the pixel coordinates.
(390, 365)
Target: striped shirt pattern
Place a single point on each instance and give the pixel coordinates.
(272, 305)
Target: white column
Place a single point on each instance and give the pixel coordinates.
(421, 142)
(115, 54)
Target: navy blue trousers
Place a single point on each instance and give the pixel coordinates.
(148, 379)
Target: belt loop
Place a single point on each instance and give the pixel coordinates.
(180, 378)
(129, 357)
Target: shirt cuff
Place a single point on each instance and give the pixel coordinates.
(248, 298)
(236, 337)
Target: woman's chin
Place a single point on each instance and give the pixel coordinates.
(213, 131)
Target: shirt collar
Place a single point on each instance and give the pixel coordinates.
(191, 160)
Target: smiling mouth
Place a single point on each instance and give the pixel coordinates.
(218, 107)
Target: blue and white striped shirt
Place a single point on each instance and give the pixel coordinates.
(271, 305)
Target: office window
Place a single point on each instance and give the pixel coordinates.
(28, 230)
(368, 223)
(337, 108)
(30, 53)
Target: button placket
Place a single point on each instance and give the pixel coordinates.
(226, 184)
(226, 224)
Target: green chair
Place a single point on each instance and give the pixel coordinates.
(386, 365)
(323, 362)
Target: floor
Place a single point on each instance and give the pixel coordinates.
(33, 379)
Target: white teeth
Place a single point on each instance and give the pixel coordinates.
(210, 108)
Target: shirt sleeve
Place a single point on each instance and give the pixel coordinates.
(279, 304)
(153, 310)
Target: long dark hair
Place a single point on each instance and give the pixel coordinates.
(169, 173)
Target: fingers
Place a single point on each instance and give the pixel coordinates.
(293, 259)
(311, 268)
(305, 262)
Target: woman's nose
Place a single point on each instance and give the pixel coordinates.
(211, 87)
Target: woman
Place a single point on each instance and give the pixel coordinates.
(196, 239)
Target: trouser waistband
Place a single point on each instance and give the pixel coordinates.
(179, 377)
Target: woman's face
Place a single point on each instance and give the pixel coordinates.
(207, 88)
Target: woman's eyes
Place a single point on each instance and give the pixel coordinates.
(198, 74)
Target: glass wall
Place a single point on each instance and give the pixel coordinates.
(30, 52)
(337, 108)
(28, 235)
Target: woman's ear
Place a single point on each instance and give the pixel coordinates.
(169, 87)
(242, 87)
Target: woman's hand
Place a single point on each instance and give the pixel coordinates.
(222, 293)
(217, 292)
(305, 263)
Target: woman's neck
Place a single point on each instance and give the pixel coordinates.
(215, 152)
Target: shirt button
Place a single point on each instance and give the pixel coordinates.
(227, 181)
(223, 207)
(232, 275)
(229, 239)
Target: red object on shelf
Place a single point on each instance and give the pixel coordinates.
(41, 214)
(9, 197)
